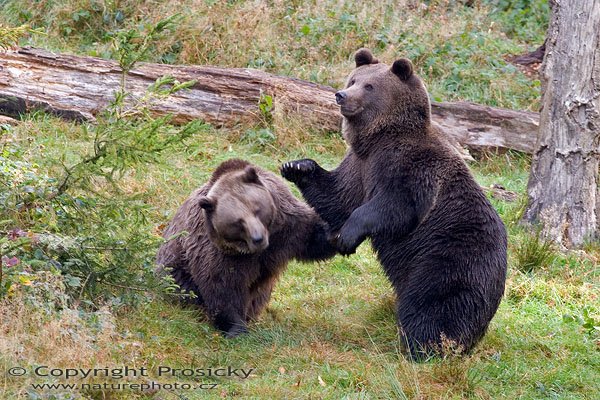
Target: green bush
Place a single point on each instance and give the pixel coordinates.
(81, 225)
(522, 19)
(79, 222)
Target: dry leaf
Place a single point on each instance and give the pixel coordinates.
(321, 381)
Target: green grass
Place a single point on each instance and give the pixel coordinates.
(329, 331)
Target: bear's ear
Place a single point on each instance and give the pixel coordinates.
(402, 68)
(250, 175)
(363, 57)
(207, 204)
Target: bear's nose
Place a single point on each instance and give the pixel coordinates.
(257, 239)
(340, 97)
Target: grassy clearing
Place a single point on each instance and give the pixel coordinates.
(329, 331)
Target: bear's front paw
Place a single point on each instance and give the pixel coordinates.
(348, 239)
(299, 171)
(235, 331)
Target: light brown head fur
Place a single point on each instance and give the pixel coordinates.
(239, 210)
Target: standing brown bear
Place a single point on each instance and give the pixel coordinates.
(233, 237)
(441, 243)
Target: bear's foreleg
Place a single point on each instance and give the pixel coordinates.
(389, 214)
(260, 294)
(313, 242)
(333, 194)
(226, 304)
(230, 323)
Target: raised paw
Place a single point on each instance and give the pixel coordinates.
(299, 171)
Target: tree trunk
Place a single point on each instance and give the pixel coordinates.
(563, 184)
(79, 87)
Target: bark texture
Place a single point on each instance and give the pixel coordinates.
(79, 87)
(563, 184)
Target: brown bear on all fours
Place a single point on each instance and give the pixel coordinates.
(439, 240)
(232, 239)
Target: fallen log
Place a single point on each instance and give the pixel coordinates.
(79, 88)
(482, 127)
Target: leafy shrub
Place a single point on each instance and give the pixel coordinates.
(262, 135)
(522, 18)
(79, 223)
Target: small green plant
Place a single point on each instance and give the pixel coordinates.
(534, 252)
(132, 45)
(265, 106)
(260, 137)
(586, 320)
(514, 215)
(590, 323)
(10, 36)
(263, 134)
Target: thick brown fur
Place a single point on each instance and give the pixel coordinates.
(439, 240)
(232, 238)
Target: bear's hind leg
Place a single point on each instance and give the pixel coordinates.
(448, 325)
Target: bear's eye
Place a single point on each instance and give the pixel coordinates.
(352, 82)
(368, 87)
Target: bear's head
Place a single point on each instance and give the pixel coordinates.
(238, 211)
(379, 99)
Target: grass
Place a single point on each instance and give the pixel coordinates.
(460, 51)
(329, 331)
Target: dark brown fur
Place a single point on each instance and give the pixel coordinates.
(439, 240)
(232, 264)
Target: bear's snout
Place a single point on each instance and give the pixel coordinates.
(257, 239)
(340, 97)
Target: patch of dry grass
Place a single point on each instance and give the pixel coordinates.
(31, 337)
(458, 50)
